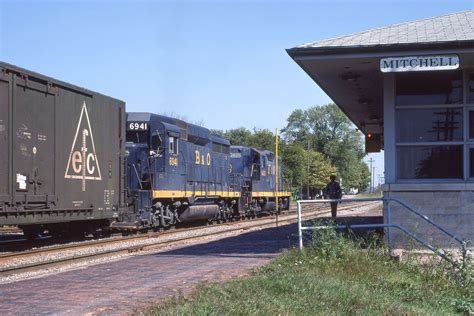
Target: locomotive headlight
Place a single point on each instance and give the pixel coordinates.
(127, 153)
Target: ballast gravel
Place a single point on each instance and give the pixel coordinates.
(166, 241)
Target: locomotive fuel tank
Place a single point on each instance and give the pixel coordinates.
(199, 213)
(269, 206)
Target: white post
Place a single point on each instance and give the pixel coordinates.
(389, 223)
(300, 231)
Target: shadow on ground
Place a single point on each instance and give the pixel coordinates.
(269, 241)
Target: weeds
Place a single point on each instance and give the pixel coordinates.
(334, 275)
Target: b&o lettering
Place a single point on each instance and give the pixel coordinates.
(202, 159)
(198, 157)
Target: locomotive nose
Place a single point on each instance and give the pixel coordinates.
(136, 161)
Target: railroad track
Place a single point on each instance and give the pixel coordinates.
(19, 243)
(56, 256)
(46, 243)
(10, 230)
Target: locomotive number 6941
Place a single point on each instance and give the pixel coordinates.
(137, 126)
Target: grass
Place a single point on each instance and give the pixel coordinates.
(334, 275)
(366, 195)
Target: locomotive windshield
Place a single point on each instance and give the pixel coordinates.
(142, 137)
(137, 137)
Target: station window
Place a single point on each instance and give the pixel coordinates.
(430, 162)
(438, 124)
(429, 89)
(471, 162)
(471, 123)
(429, 126)
(470, 89)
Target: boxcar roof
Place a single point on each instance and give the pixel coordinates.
(57, 82)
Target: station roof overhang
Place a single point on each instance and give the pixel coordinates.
(351, 76)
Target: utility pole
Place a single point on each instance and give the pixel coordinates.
(373, 179)
(277, 173)
(307, 184)
(371, 173)
(276, 170)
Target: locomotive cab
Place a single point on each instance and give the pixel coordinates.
(151, 142)
(176, 172)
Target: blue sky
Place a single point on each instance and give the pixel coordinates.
(222, 63)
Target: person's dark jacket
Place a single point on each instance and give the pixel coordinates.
(333, 190)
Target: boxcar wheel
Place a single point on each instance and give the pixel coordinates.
(30, 233)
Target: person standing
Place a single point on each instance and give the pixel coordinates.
(333, 190)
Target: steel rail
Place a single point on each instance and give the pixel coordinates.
(105, 241)
(6, 271)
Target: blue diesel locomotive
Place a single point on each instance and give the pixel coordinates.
(178, 172)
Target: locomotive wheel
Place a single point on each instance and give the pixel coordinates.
(58, 233)
(284, 205)
(165, 218)
(77, 230)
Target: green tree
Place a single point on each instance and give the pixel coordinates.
(327, 129)
(217, 132)
(320, 169)
(238, 136)
(364, 178)
(262, 138)
(296, 161)
(259, 138)
(293, 163)
(297, 129)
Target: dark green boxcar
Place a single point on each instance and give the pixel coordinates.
(61, 150)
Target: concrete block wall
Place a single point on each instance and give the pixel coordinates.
(453, 210)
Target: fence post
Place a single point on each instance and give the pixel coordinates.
(300, 231)
(389, 224)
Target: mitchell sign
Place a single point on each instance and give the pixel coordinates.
(419, 63)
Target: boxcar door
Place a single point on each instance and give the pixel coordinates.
(33, 127)
(4, 135)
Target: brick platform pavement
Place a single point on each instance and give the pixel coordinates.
(123, 286)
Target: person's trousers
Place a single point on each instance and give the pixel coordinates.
(334, 209)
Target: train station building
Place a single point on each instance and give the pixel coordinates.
(409, 88)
